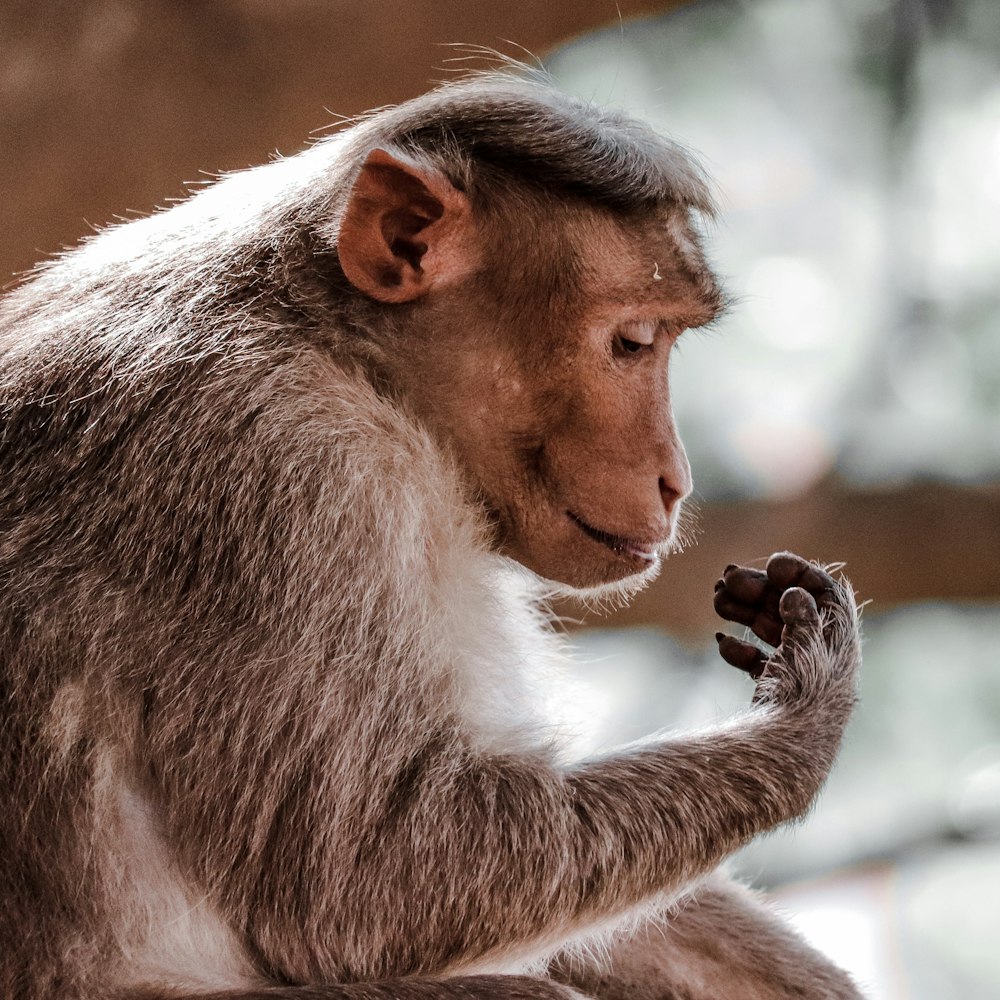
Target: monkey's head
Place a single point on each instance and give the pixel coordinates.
(531, 292)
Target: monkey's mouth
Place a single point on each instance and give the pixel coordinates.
(636, 548)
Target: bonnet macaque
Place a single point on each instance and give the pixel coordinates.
(286, 470)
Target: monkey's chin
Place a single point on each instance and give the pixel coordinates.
(588, 575)
(613, 592)
(576, 560)
(611, 564)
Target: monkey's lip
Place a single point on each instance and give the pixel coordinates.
(637, 548)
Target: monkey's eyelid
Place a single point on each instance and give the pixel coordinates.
(625, 347)
(644, 332)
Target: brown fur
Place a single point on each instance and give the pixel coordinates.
(273, 463)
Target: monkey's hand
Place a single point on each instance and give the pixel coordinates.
(811, 619)
(774, 603)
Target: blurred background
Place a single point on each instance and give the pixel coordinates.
(848, 408)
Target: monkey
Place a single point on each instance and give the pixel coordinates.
(289, 474)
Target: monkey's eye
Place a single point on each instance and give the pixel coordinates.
(624, 346)
(631, 344)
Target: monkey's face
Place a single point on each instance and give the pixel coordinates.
(536, 347)
(586, 483)
(590, 488)
(554, 395)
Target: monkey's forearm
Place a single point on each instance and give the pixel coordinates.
(610, 833)
(493, 854)
(663, 815)
(680, 807)
(471, 855)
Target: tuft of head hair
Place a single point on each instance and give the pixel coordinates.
(489, 129)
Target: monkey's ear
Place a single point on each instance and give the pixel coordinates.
(405, 230)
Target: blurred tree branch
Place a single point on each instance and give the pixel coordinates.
(924, 541)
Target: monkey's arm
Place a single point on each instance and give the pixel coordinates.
(721, 942)
(433, 854)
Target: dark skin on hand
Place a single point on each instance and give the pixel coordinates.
(790, 590)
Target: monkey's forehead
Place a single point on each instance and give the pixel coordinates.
(654, 272)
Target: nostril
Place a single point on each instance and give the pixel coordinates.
(669, 494)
